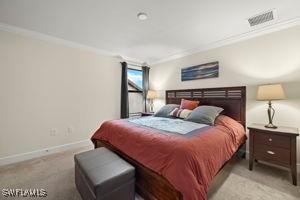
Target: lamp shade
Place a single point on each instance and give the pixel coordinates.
(270, 92)
(151, 94)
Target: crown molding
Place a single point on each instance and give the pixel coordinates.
(48, 38)
(226, 41)
(52, 39)
(233, 39)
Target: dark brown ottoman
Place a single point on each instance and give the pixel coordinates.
(102, 175)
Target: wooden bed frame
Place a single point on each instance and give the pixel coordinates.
(152, 186)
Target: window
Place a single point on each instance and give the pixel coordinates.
(135, 79)
(135, 91)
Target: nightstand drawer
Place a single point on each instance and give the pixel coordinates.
(272, 140)
(272, 154)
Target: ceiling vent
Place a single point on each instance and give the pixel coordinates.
(261, 18)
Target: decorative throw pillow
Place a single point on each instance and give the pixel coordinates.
(165, 110)
(188, 104)
(204, 114)
(180, 113)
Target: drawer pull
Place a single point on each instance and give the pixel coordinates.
(271, 152)
(270, 140)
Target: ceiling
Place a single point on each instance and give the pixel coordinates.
(173, 26)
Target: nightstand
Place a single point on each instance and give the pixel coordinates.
(144, 114)
(276, 146)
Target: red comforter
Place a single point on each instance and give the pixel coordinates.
(189, 163)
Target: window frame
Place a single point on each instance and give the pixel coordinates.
(136, 91)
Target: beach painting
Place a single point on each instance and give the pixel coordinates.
(208, 70)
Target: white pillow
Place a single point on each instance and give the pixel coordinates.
(180, 113)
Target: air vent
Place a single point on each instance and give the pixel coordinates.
(261, 18)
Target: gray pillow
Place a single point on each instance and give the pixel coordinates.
(166, 110)
(204, 114)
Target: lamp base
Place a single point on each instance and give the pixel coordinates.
(271, 113)
(151, 106)
(271, 126)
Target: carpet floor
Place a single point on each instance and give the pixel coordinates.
(55, 174)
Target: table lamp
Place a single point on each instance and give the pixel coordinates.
(151, 95)
(270, 93)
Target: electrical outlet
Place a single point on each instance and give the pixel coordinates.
(53, 132)
(70, 130)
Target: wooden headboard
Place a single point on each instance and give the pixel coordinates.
(232, 99)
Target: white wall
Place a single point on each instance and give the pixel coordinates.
(270, 58)
(45, 86)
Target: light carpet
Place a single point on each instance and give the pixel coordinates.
(55, 174)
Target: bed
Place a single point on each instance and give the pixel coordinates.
(162, 174)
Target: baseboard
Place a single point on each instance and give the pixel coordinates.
(42, 152)
(298, 164)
